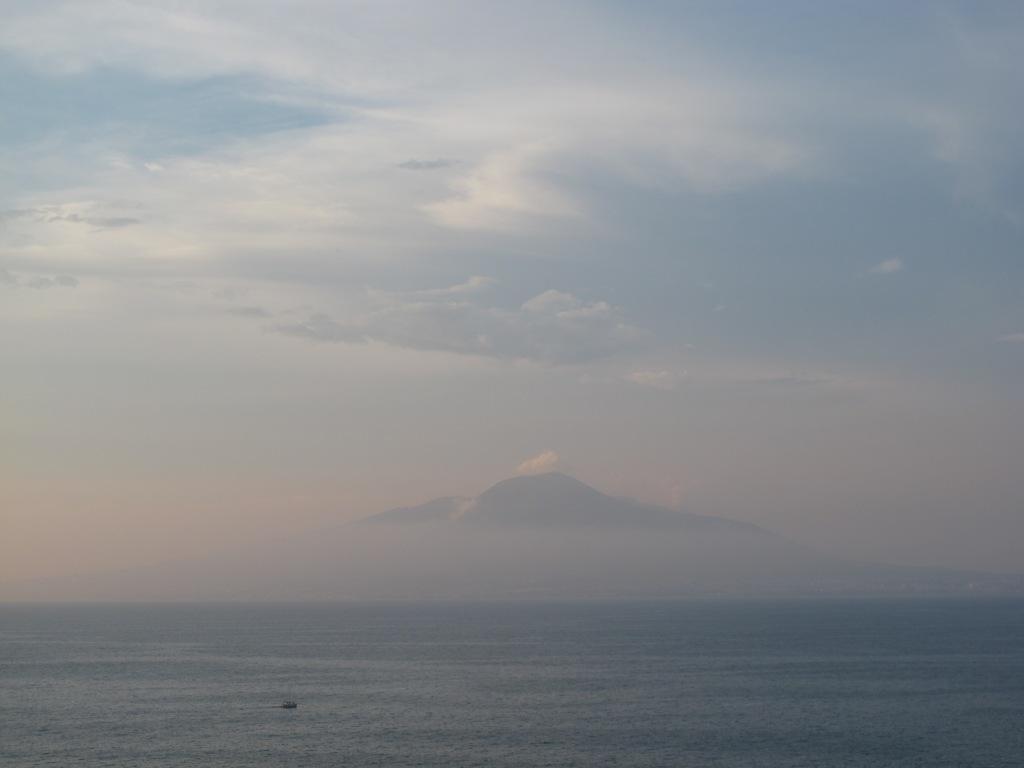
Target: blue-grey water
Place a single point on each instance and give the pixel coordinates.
(812, 683)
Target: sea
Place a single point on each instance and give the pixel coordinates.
(773, 683)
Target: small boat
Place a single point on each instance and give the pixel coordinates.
(289, 704)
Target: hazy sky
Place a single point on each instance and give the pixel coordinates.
(269, 265)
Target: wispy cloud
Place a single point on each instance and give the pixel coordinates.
(38, 282)
(322, 327)
(427, 165)
(656, 379)
(888, 267)
(545, 461)
(552, 327)
(469, 286)
(250, 311)
(516, 145)
(50, 214)
(500, 190)
(1012, 338)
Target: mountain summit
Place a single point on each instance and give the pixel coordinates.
(540, 500)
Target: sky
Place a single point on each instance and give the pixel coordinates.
(268, 266)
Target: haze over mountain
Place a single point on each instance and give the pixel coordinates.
(538, 536)
(266, 266)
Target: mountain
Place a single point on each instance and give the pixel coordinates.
(551, 501)
(539, 536)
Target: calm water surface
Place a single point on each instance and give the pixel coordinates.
(815, 684)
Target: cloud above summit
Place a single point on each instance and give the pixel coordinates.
(545, 461)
